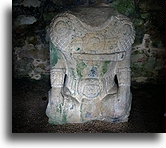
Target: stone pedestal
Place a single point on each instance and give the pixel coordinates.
(90, 66)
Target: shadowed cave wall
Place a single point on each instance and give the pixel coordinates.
(31, 19)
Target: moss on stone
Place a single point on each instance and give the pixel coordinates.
(53, 54)
(124, 6)
(80, 67)
(105, 67)
(64, 118)
(60, 108)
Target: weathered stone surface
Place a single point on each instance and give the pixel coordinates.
(90, 66)
(147, 61)
(25, 20)
(32, 59)
(31, 3)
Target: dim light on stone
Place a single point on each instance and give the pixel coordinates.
(90, 66)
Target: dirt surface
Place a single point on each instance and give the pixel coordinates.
(30, 100)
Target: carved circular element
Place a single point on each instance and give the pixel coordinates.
(89, 88)
(61, 28)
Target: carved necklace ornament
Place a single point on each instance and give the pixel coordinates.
(90, 66)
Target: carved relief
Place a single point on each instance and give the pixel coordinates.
(95, 79)
(93, 43)
(89, 88)
(76, 45)
(57, 77)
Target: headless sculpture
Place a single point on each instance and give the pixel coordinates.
(90, 66)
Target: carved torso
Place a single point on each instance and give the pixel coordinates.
(90, 51)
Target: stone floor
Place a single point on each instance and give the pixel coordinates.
(30, 100)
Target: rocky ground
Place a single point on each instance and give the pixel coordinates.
(30, 100)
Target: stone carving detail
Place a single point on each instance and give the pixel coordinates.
(57, 77)
(90, 70)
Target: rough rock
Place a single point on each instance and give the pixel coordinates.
(25, 20)
(147, 61)
(32, 59)
(31, 3)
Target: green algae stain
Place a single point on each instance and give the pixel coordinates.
(59, 108)
(105, 67)
(80, 67)
(64, 118)
(126, 7)
(54, 55)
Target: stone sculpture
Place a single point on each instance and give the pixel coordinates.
(90, 66)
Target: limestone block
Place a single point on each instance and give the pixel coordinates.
(90, 66)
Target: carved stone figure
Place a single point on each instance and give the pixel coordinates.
(90, 66)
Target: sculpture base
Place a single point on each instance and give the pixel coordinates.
(65, 109)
